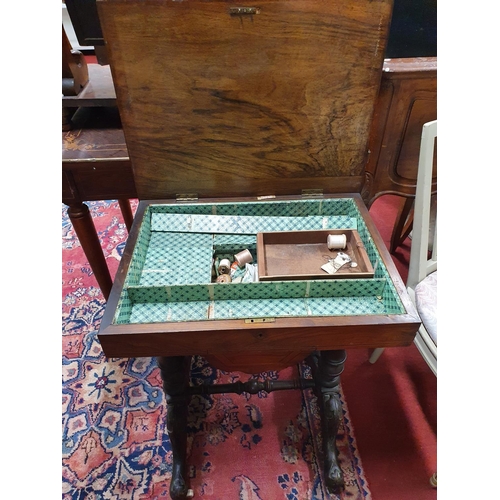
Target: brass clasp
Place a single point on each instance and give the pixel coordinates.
(242, 11)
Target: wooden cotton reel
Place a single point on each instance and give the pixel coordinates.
(224, 266)
(243, 257)
(336, 241)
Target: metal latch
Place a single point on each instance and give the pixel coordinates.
(260, 320)
(244, 11)
(186, 197)
(312, 193)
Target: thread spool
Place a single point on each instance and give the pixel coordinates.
(243, 257)
(224, 266)
(336, 241)
(223, 278)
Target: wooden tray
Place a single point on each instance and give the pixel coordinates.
(292, 255)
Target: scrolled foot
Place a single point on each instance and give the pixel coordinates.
(178, 487)
(331, 364)
(334, 479)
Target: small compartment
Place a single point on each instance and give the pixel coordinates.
(226, 246)
(294, 255)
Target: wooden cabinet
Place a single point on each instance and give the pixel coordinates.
(407, 99)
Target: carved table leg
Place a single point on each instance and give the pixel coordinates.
(330, 364)
(80, 217)
(175, 375)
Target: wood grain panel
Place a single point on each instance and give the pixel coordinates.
(422, 110)
(246, 105)
(407, 100)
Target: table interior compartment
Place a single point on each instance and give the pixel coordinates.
(300, 255)
(170, 274)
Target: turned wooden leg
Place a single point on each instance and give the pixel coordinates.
(175, 375)
(330, 364)
(403, 224)
(80, 217)
(126, 211)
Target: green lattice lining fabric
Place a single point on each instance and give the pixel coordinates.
(169, 278)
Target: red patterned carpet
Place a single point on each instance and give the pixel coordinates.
(240, 447)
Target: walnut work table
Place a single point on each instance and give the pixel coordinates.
(239, 121)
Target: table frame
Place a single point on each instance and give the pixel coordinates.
(258, 346)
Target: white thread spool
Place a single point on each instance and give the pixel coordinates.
(336, 241)
(224, 266)
(243, 257)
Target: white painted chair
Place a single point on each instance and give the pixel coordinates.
(422, 272)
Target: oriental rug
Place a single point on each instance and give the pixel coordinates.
(114, 441)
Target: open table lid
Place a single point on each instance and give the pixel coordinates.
(218, 102)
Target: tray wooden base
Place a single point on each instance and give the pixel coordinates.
(292, 255)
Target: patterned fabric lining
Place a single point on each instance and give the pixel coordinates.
(170, 273)
(247, 225)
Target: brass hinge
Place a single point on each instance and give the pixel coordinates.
(186, 197)
(312, 193)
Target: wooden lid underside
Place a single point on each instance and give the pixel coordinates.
(237, 105)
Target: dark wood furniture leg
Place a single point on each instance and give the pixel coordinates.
(83, 224)
(126, 210)
(327, 367)
(175, 374)
(403, 224)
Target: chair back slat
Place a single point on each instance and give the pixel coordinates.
(420, 263)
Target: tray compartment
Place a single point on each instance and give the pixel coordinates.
(264, 299)
(245, 224)
(147, 300)
(177, 258)
(300, 255)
